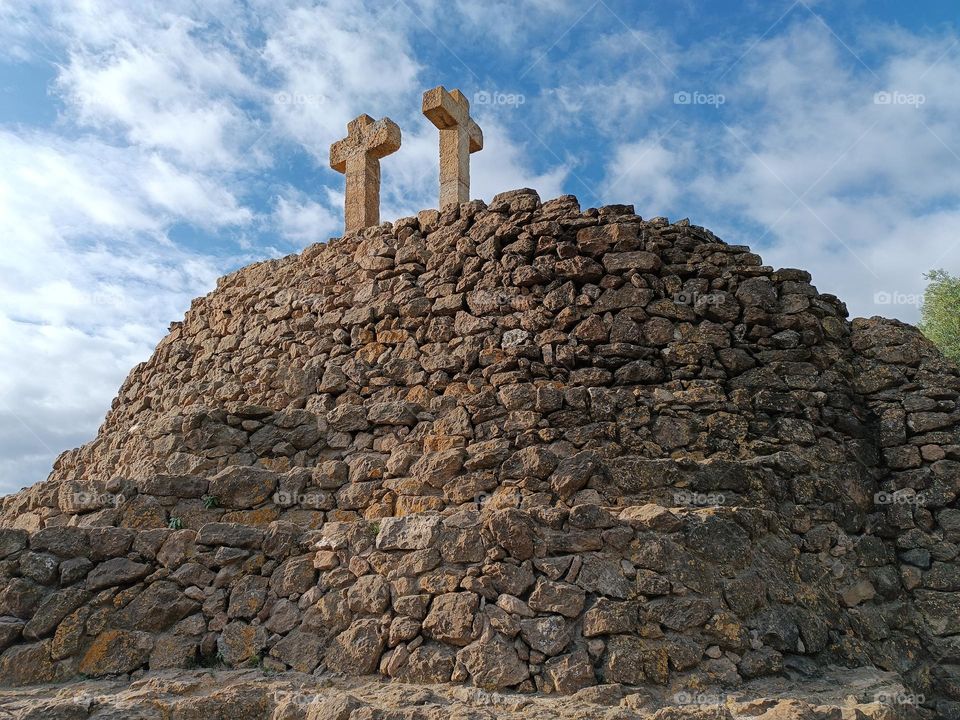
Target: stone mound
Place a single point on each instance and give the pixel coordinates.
(520, 446)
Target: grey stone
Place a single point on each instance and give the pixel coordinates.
(118, 571)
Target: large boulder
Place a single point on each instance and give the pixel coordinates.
(117, 651)
(453, 618)
(242, 487)
(241, 643)
(114, 572)
(493, 663)
(357, 650)
(411, 532)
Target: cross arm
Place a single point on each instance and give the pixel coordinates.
(383, 138)
(441, 108)
(476, 137)
(365, 137)
(338, 154)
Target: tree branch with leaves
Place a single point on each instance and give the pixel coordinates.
(940, 314)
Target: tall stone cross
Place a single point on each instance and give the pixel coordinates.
(358, 157)
(459, 136)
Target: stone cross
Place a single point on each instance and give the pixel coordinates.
(459, 136)
(358, 157)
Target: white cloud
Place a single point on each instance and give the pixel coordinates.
(337, 60)
(88, 283)
(862, 194)
(304, 221)
(162, 84)
(504, 164)
(411, 181)
(193, 198)
(641, 173)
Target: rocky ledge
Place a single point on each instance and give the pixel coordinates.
(254, 695)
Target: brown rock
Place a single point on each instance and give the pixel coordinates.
(243, 487)
(118, 571)
(116, 651)
(452, 618)
(369, 595)
(411, 532)
(247, 597)
(300, 650)
(293, 576)
(557, 597)
(634, 660)
(570, 673)
(31, 665)
(357, 650)
(429, 663)
(52, 610)
(493, 663)
(575, 472)
(513, 531)
(241, 643)
(549, 635)
(173, 651)
(437, 468)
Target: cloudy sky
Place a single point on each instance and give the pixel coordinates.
(146, 149)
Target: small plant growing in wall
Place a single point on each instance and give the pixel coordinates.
(211, 502)
(175, 523)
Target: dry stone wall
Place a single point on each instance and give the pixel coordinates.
(521, 445)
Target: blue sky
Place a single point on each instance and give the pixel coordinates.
(149, 148)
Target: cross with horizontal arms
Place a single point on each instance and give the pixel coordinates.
(358, 157)
(459, 136)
